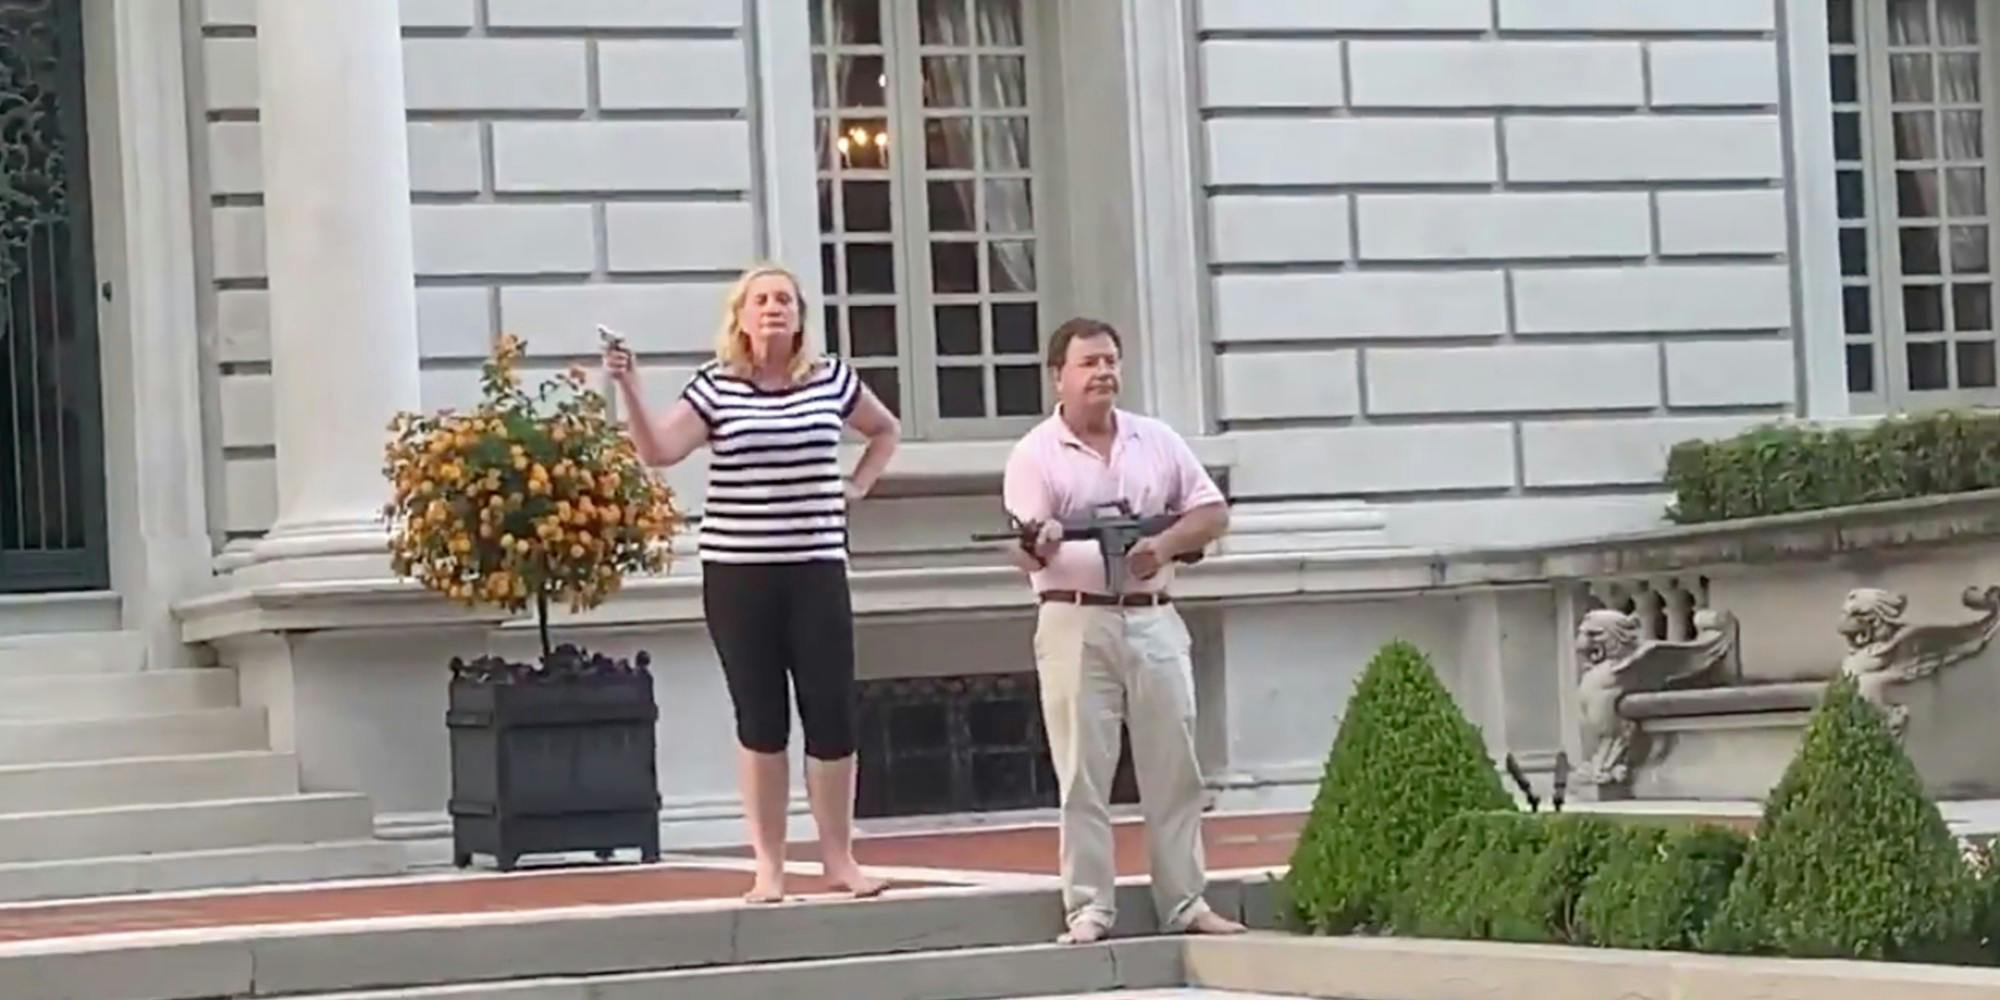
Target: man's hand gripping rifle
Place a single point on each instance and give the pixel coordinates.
(1114, 536)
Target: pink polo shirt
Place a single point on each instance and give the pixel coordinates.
(1052, 473)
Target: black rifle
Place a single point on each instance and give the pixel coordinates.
(1114, 536)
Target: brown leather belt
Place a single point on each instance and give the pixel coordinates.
(1104, 600)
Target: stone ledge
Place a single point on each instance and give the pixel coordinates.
(1408, 969)
(923, 467)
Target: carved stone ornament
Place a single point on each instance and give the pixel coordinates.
(1883, 650)
(1618, 661)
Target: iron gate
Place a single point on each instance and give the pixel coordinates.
(51, 452)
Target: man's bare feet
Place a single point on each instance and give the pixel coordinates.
(1211, 922)
(849, 876)
(1084, 931)
(769, 888)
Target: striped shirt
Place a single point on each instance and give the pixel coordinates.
(775, 491)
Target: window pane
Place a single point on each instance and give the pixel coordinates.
(1000, 23)
(1006, 144)
(951, 206)
(1854, 253)
(1963, 138)
(1847, 135)
(818, 21)
(942, 22)
(1975, 364)
(1003, 82)
(947, 82)
(862, 82)
(1916, 193)
(1846, 80)
(858, 22)
(1958, 78)
(1840, 22)
(1916, 135)
(886, 385)
(866, 204)
(1923, 309)
(1910, 79)
(1860, 368)
(1014, 329)
(833, 330)
(863, 143)
(1972, 307)
(1852, 194)
(829, 269)
(819, 80)
(1854, 309)
(958, 330)
(961, 392)
(1017, 390)
(1958, 22)
(1013, 266)
(1927, 366)
(1967, 187)
(1969, 250)
(825, 206)
(954, 267)
(874, 331)
(1909, 22)
(871, 269)
(1009, 207)
(1919, 251)
(948, 143)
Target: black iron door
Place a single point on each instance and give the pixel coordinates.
(51, 451)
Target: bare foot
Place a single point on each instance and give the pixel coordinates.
(850, 877)
(769, 888)
(1211, 922)
(1084, 931)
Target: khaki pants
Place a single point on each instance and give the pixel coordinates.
(1097, 666)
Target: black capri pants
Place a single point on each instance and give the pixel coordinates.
(779, 622)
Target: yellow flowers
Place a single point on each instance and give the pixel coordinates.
(531, 497)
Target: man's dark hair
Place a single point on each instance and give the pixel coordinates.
(1080, 328)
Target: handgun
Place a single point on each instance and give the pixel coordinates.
(1114, 536)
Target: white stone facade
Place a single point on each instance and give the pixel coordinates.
(1411, 275)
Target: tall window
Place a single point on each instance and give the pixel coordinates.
(926, 114)
(1914, 133)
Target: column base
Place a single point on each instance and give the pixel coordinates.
(351, 549)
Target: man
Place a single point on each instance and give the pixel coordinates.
(1105, 659)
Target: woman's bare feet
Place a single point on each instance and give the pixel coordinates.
(769, 888)
(1211, 922)
(849, 876)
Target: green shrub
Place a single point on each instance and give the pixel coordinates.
(1852, 858)
(1781, 468)
(1659, 888)
(1467, 875)
(1405, 761)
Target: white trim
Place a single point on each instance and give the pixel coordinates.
(781, 36)
(1816, 302)
(1167, 212)
(142, 198)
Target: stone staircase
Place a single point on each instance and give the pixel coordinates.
(118, 779)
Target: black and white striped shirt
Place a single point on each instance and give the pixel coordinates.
(775, 492)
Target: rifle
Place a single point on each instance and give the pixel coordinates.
(1114, 536)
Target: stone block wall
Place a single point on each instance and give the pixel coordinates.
(571, 163)
(1483, 261)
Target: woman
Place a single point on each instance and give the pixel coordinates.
(774, 552)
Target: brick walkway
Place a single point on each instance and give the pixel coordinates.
(957, 857)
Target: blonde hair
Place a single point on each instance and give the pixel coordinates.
(732, 345)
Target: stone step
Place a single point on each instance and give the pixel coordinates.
(146, 780)
(98, 696)
(181, 870)
(1013, 971)
(190, 826)
(214, 730)
(79, 611)
(42, 653)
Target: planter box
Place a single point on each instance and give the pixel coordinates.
(555, 765)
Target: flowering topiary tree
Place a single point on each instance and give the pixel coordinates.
(529, 498)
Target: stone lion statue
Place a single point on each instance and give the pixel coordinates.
(1618, 660)
(1884, 650)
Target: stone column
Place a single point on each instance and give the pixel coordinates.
(344, 354)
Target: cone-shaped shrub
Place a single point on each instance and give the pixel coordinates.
(1658, 890)
(1852, 858)
(1405, 761)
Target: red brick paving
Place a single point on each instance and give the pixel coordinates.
(1232, 842)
